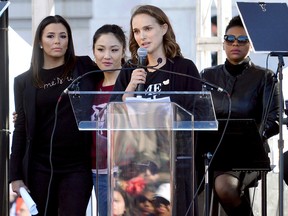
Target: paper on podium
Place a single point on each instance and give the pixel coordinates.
(140, 99)
(31, 205)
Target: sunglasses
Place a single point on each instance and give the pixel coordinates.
(230, 39)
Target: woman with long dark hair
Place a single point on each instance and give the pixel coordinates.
(50, 157)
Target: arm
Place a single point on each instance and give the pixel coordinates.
(271, 126)
(19, 139)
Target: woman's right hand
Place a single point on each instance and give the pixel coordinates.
(138, 77)
(16, 185)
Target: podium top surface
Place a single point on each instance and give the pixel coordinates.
(266, 25)
(184, 111)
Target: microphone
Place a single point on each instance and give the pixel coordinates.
(142, 54)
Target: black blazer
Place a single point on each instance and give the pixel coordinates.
(25, 106)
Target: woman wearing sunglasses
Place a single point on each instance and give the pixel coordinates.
(249, 87)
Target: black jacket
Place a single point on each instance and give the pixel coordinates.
(25, 125)
(249, 93)
(249, 88)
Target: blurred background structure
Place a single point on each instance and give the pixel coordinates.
(191, 20)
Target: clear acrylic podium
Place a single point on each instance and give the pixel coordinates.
(144, 139)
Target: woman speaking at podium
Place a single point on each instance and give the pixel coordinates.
(151, 30)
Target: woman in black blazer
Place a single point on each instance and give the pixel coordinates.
(57, 171)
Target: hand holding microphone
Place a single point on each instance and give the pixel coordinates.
(138, 79)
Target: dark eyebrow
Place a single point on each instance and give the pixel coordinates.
(147, 26)
(55, 33)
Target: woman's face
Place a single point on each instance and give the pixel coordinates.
(148, 33)
(108, 52)
(235, 51)
(118, 204)
(54, 40)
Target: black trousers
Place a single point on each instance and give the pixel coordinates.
(68, 195)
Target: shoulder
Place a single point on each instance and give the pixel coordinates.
(260, 70)
(180, 61)
(182, 64)
(24, 75)
(85, 60)
(258, 67)
(127, 69)
(85, 64)
(23, 80)
(214, 69)
(214, 73)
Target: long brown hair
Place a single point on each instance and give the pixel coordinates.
(171, 47)
(37, 60)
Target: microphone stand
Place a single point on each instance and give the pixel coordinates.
(280, 141)
(207, 158)
(261, 132)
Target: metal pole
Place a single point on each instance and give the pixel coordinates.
(207, 158)
(281, 141)
(4, 114)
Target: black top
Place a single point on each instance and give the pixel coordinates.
(160, 81)
(67, 139)
(35, 121)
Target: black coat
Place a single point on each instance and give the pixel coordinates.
(25, 106)
(249, 92)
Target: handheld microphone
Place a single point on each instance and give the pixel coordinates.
(142, 54)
